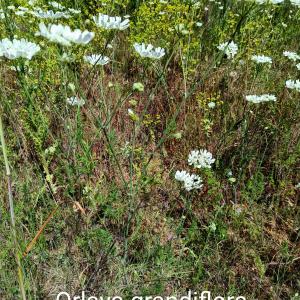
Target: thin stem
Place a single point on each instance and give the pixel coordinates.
(12, 213)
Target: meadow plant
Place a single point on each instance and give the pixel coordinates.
(149, 148)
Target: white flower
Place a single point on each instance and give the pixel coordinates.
(18, 48)
(293, 85)
(181, 175)
(149, 51)
(96, 59)
(108, 22)
(75, 101)
(211, 104)
(291, 55)
(230, 49)
(200, 159)
(54, 33)
(74, 11)
(190, 181)
(298, 66)
(20, 13)
(50, 14)
(261, 98)
(193, 182)
(23, 8)
(271, 1)
(2, 14)
(261, 59)
(64, 35)
(296, 2)
(56, 5)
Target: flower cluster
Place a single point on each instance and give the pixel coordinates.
(200, 159)
(262, 59)
(190, 181)
(293, 85)
(50, 14)
(64, 35)
(18, 48)
(230, 49)
(74, 11)
(61, 11)
(75, 101)
(271, 1)
(296, 2)
(149, 51)
(96, 59)
(56, 5)
(21, 11)
(261, 98)
(291, 55)
(108, 22)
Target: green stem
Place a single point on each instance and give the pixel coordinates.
(12, 213)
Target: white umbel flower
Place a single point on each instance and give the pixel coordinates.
(260, 98)
(201, 159)
(293, 84)
(190, 181)
(64, 35)
(271, 1)
(291, 55)
(296, 2)
(107, 22)
(74, 11)
(18, 48)
(149, 51)
(21, 11)
(211, 104)
(50, 14)
(75, 101)
(230, 49)
(181, 175)
(56, 5)
(96, 59)
(261, 59)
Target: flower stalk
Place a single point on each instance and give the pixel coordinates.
(12, 213)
